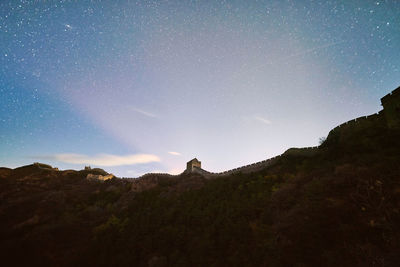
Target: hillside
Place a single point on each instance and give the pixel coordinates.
(336, 206)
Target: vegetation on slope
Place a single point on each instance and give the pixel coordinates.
(339, 207)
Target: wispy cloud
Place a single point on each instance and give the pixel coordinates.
(103, 159)
(145, 113)
(263, 120)
(174, 153)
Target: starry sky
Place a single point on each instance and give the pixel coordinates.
(144, 86)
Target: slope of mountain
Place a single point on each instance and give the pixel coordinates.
(336, 206)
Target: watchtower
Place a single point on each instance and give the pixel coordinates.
(391, 108)
(191, 165)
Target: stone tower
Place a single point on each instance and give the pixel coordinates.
(192, 165)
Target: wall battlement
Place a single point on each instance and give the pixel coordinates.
(391, 108)
(391, 113)
(356, 121)
(394, 93)
(244, 169)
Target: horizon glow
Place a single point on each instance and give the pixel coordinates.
(230, 83)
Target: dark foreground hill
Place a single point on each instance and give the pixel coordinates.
(339, 206)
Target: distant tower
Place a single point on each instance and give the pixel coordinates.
(87, 168)
(391, 108)
(192, 165)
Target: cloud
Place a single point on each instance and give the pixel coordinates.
(145, 113)
(263, 120)
(104, 159)
(174, 153)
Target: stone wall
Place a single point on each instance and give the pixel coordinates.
(391, 106)
(244, 169)
(356, 122)
(363, 121)
(306, 151)
(157, 174)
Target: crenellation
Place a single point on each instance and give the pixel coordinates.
(391, 112)
(391, 108)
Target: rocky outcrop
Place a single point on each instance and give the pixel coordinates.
(4, 172)
(101, 178)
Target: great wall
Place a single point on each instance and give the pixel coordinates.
(390, 113)
(306, 151)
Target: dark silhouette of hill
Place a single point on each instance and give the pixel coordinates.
(337, 205)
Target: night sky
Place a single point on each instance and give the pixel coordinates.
(145, 86)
